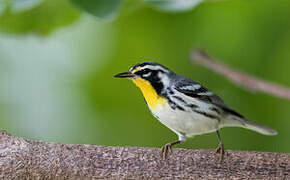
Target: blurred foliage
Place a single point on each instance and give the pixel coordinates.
(35, 17)
(106, 9)
(18, 5)
(60, 87)
(173, 5)
(14, 14)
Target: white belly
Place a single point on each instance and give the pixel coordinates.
(185, 123)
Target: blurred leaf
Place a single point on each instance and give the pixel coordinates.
(22, 5)
(16, 6)
(173, 5)
(105, 9)
(42, 19)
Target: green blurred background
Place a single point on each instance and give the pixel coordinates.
(57, 61)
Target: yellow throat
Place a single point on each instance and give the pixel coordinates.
(149, 93)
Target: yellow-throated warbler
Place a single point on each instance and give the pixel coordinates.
(185, 106)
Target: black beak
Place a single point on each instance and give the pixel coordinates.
(125, 75)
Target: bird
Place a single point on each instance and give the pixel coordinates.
(185, 106)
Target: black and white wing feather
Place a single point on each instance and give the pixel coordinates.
(195, 90)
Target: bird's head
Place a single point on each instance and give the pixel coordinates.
(147, 74)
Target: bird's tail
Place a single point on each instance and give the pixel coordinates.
(235, 121)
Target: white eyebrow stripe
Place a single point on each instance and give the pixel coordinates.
(154, 68)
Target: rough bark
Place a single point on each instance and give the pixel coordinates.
(25, 159)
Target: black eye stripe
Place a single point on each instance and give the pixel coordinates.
(150, 75)
(139, 72)
(143, 71)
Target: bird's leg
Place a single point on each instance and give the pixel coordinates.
(220, 149)
(167, 148)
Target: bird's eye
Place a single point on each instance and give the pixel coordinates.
(145, 71)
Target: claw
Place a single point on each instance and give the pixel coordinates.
(218, 149)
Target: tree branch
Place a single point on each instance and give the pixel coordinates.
(249, 82)
(25, 159)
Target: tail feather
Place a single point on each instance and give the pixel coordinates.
(234, 121)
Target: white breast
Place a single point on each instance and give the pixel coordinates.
(185, 123)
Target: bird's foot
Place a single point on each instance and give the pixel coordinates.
(165, 150)
(221, 150)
